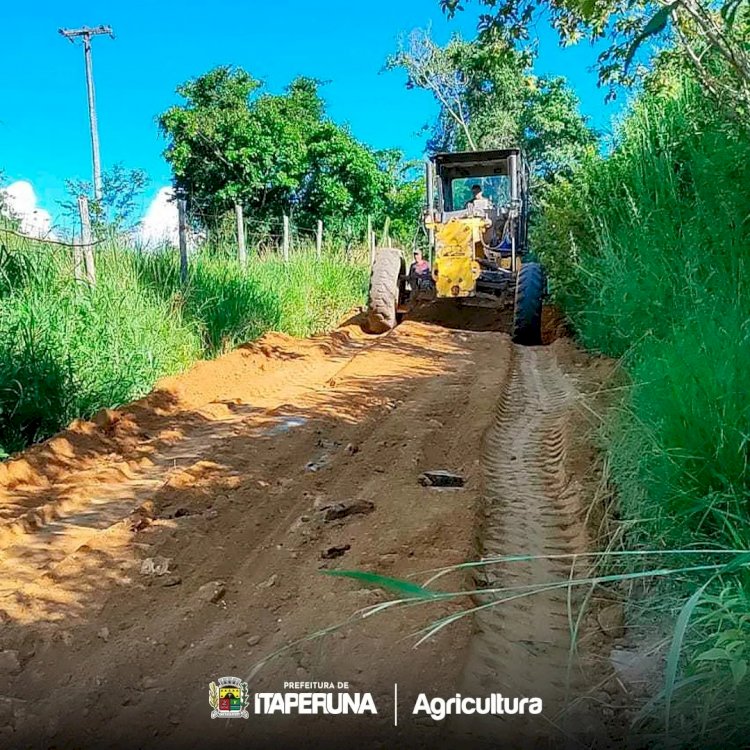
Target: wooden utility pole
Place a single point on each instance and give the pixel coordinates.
(285, 246)
(319, 239)
(87, 239)
(241, 249)
(86, 33)
(182, 226)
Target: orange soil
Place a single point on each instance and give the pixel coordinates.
(223, 476)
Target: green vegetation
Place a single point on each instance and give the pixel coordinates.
(708, 39)
(118, 208)
(649, 251)
(228, 305)
(67, 350)
(489, 98)
(230, 143)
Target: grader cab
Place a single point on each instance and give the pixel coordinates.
(476, 220)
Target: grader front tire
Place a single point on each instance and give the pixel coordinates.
(383, 297)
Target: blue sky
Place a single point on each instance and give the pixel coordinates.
(43, 117)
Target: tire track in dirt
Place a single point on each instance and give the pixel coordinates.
(522, 646)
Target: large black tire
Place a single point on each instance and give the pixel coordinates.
(383, 298)
(527, 311)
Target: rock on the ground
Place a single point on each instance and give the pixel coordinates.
(9, 662)
(212, 592)
(140, 518)
(333, 552)
(441, 478)
(611, 620)
(156, 566)
(340, 510)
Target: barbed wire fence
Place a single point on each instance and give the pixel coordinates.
(277, 235)
(79, 249)
(206, 229)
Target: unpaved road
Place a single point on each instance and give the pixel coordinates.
(229, 477)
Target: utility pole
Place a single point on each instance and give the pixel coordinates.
(86, 33)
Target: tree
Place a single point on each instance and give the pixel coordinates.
(230, 142)
(405, 198)
(121, 188)
(711, 36)
(345, 181)
(490, 98)
(211, 138)
(436, 69)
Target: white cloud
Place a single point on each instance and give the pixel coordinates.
(160, 223)
(21, 203)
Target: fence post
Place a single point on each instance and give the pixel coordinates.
(241, 249)
(182, 227)
(319, 239)
(78, 272)
(86, 239)
(285, 246)
(385, 240)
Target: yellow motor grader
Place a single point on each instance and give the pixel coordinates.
(476, 222)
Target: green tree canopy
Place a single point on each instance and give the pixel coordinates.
(489, 97)
(711, 37)
(231, 142)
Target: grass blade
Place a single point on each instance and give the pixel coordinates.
(673, 657)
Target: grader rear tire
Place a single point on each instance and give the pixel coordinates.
(383, 298)
(527, 312)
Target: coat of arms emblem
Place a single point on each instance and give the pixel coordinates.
(229, 698)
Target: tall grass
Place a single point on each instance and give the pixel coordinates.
(649, 251)
(67, 350)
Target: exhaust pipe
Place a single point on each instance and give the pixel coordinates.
(430, 182)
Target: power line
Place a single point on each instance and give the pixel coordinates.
(86, 33)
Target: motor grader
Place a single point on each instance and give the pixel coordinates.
(476, 221)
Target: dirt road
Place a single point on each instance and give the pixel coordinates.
(186, 537)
